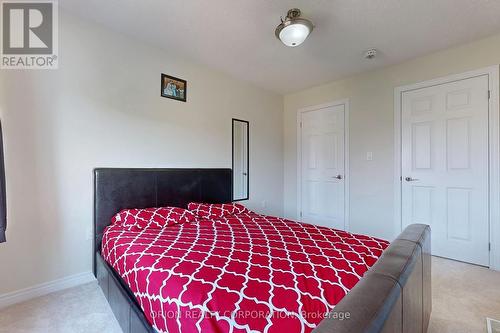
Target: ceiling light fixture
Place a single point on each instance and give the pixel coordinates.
(294, 29)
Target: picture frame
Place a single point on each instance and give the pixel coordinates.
(173, 87)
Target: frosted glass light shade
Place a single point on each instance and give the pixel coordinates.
(293, 29)
(294, 34)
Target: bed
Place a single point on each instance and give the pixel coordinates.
(248, 272)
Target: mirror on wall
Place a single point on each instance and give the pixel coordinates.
(240, 159)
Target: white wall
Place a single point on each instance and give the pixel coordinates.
(102, 108)
(371, 129)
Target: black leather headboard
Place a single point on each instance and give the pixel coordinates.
(116, 189)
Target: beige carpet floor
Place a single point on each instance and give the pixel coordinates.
(463, 296)
(82, 309)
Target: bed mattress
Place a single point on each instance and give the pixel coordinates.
(241, 273)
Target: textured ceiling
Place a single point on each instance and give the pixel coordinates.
(237, 36)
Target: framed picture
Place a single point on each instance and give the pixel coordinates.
(173, 87)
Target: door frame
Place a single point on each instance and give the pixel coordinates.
(345, 103)
(494, 151)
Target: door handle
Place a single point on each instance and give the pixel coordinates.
(409, 179)
(339, 177)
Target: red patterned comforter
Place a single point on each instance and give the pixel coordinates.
(244, 273)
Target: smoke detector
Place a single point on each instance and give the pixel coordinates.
(370, 54)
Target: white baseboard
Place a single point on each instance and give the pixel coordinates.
(45, 288)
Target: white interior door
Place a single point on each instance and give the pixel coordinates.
(322, 167)
(445, 166)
